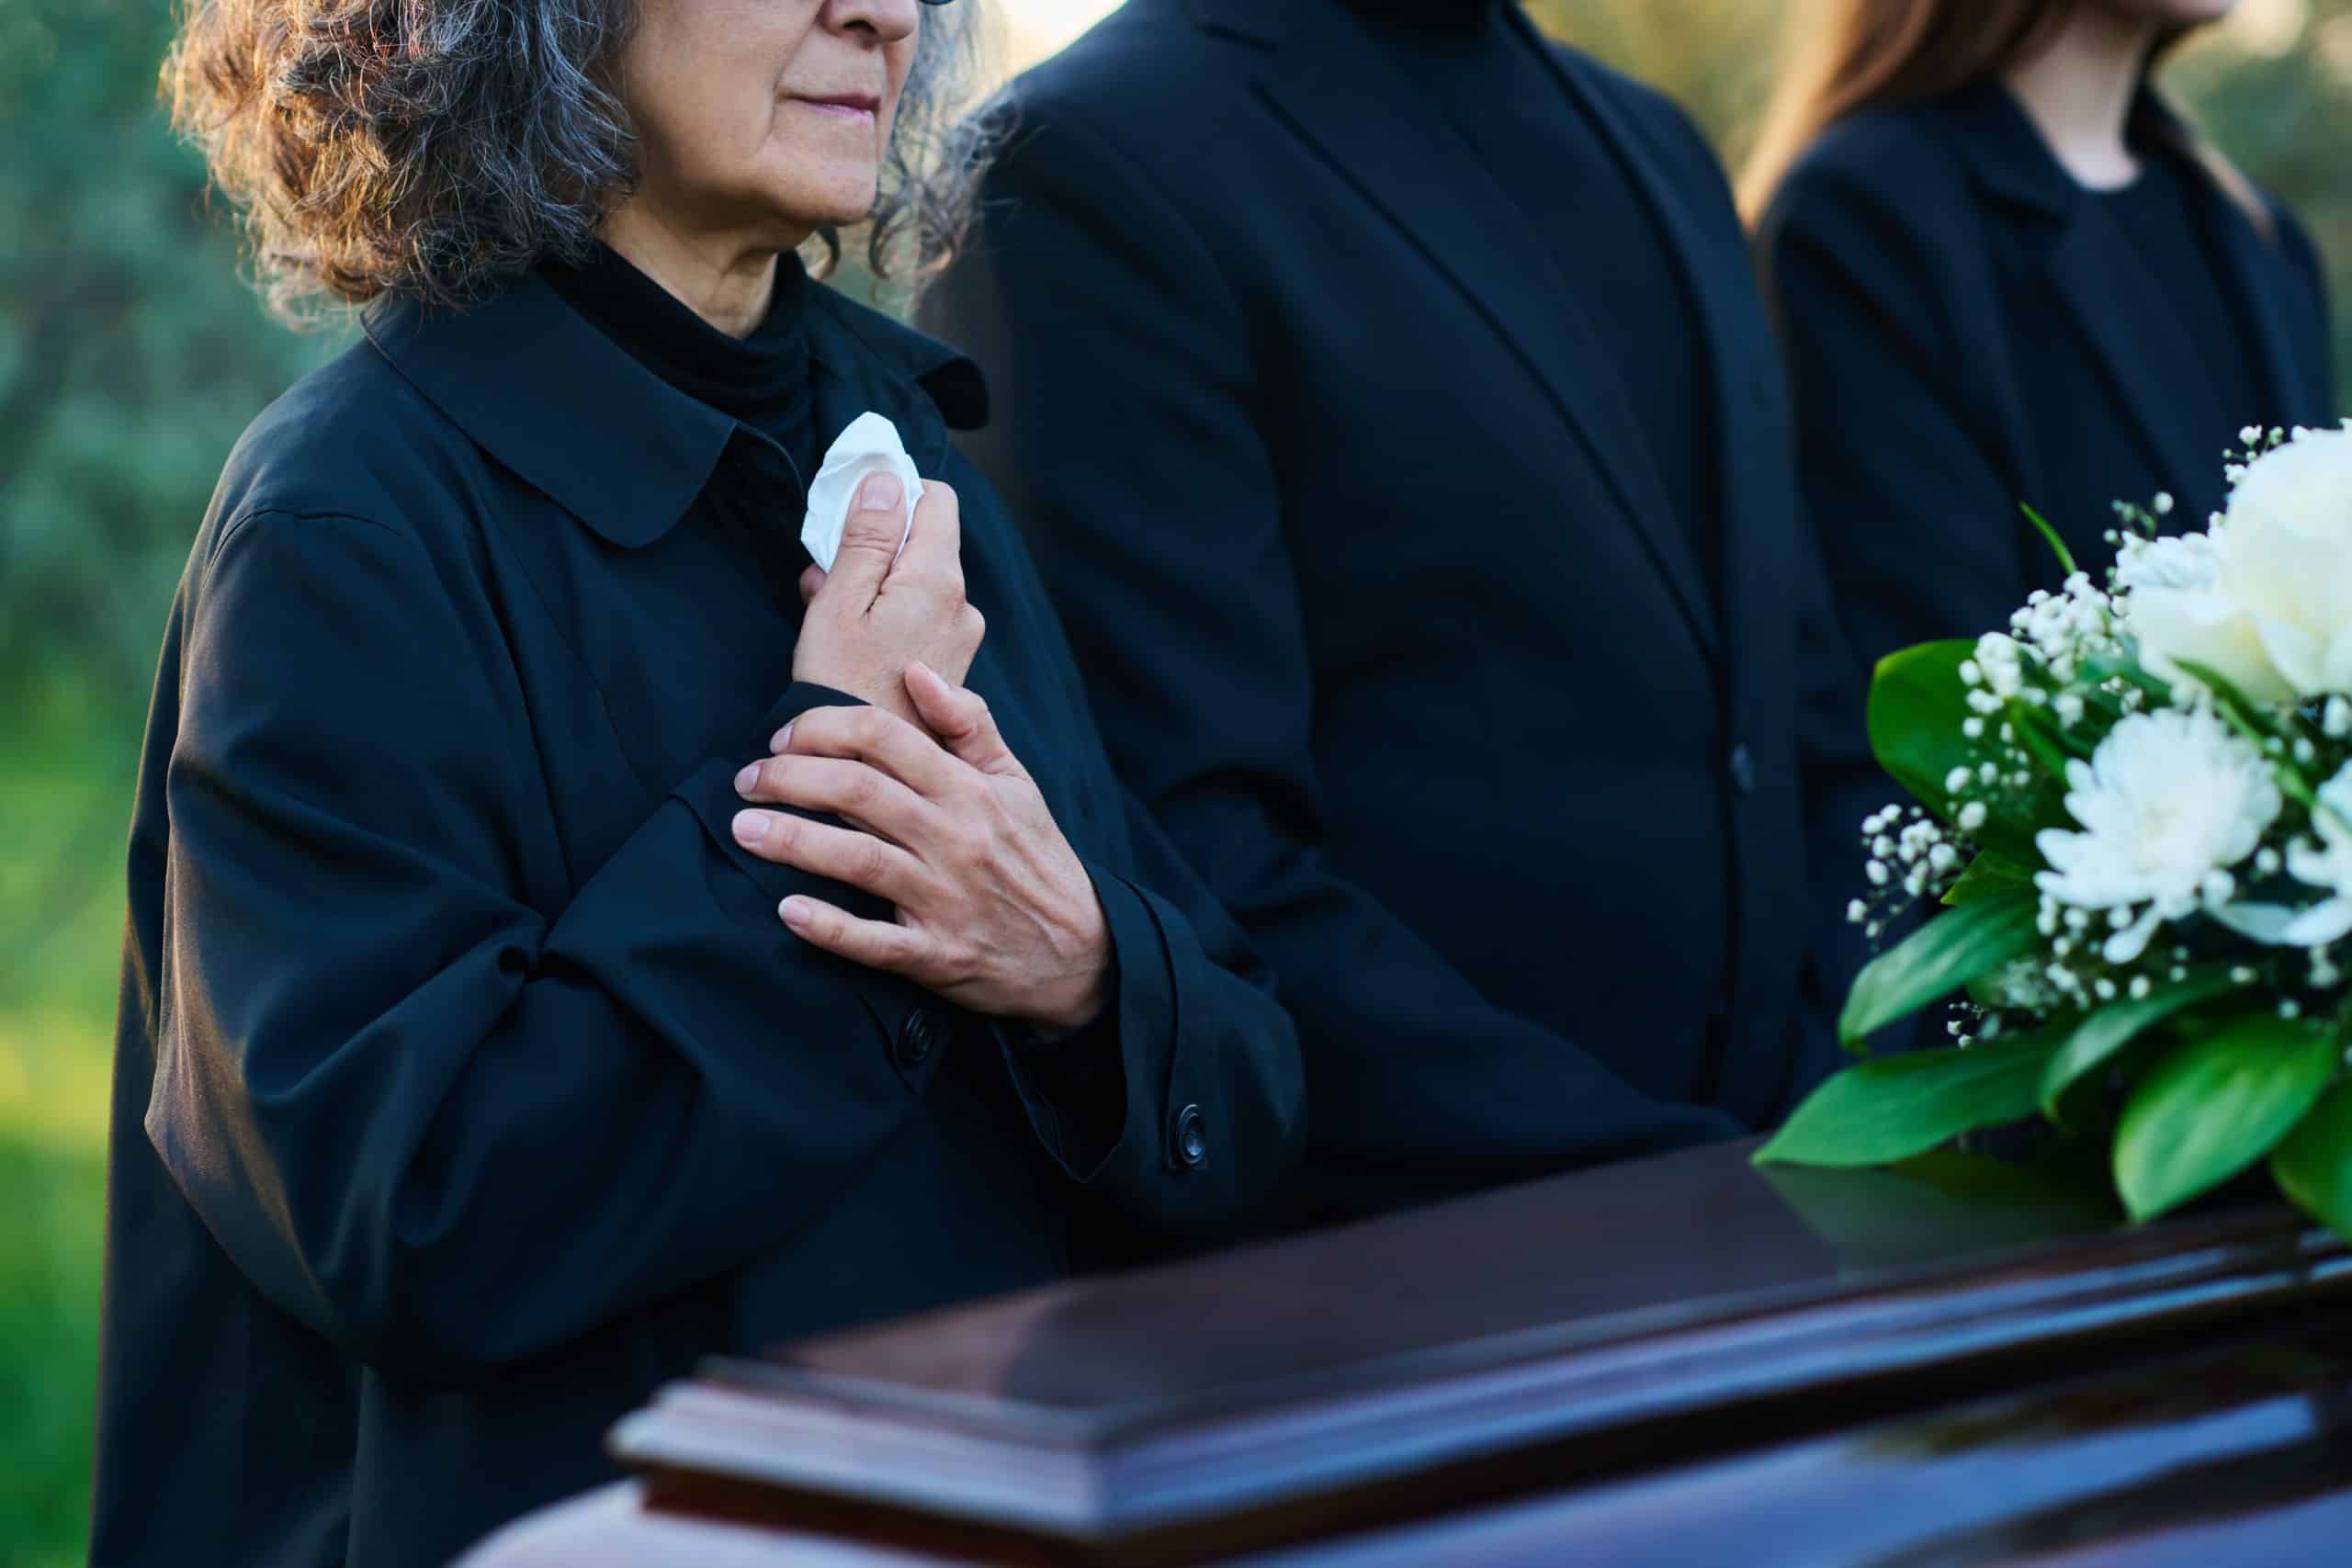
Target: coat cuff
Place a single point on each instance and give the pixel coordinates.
(1075, 1088)
(1118, 1127)
(908, 1015)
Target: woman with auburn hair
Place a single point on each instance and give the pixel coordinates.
(572, 934)
(2008, 273)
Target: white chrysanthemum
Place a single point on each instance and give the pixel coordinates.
(2171, 601)
(2167, 803)
(2285, 554)
(2325, 863)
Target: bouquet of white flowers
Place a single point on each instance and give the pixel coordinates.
(2135, 806)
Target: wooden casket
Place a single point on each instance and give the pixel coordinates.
(1683, 1360)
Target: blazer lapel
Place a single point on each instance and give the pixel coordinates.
(1743, 362)
(1384, 137)
(2012, 163)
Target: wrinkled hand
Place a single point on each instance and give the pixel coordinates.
(879, 610)
(994, 910)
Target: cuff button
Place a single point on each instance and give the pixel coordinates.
(917, 1038)
(1188, 1138)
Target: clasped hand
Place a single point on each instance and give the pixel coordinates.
(993, 909)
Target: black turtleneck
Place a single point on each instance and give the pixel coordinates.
(762, 379)
(1528, 134)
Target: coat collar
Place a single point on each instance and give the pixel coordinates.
(534, 385)
(2008, 160)
(1380, 132)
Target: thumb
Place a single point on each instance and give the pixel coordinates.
(961, 721)
(870, 536)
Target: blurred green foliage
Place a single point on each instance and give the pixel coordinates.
(131, 356)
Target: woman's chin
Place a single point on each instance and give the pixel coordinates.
(816, 201)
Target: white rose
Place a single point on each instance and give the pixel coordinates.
(2171, 601)
(2285, 556)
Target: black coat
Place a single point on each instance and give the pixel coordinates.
(1387, 618)
(467, 1084)
(1924, 260)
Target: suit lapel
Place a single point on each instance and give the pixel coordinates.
(1383, 135)
(1742, 361)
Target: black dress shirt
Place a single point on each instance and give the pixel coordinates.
(468, 1086)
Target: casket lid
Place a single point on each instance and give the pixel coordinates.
(1594, 1323)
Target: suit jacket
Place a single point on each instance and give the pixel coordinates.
(1921, 259)
(1384, 607)
(467, 1084)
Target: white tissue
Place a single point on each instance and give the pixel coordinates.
(870, 445)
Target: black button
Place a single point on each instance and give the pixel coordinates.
(917, 1036)
(1189, 1142)
(1742, 768)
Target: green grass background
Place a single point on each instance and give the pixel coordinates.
(64, 802)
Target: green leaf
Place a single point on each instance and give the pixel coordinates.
(1955, 947)
(2057, 546)
(1876, 1113)
(1917, 705)
(2113, 1027)
(1988, 875)
(2314, 1163)
(2210, 1110)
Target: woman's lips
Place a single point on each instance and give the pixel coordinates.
(848, 106)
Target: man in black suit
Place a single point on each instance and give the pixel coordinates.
(1389, 403)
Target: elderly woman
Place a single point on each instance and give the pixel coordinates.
(557, 953)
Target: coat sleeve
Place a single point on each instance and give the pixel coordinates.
(1196, 1111)
(1914, 508)
(441, 1125)
(1122, 437)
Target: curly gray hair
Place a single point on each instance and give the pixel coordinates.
(432, 147)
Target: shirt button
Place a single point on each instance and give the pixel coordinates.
(1741, 765)
(917, 1037)
(1189, 1139)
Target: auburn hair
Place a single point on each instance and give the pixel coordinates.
(1841, 57)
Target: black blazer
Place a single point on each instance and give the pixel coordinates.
(468, 1086)
(1916, 255)
(1383, 609)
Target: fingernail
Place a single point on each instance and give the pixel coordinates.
(794, 910)
(879, 493)
(782, 739)
(748, 777)
(751, 826)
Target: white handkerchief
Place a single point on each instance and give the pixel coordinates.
(870, 445)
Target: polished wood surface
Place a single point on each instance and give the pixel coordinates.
(1657, 1353)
